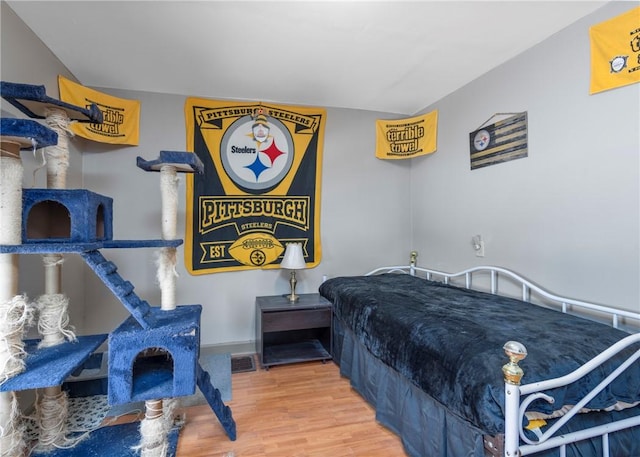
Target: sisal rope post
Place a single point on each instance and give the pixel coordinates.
(12, 442)
(166, 272)
(52, 411)
(53, 322)
(15, 314)
(166, 275)
(153, 430)
(57, 156)
(11, 172)
(14, 311)
(52, 272)
(169, 192)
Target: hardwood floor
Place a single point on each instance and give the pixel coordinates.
(298, 410)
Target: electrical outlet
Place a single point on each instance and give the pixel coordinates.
(478, 245)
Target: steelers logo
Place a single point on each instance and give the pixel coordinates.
(256, 153)
(481, 140)
(257, 257)
(618, 64)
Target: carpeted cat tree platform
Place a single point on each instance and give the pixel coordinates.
(153, 354)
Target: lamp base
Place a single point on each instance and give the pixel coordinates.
(292, 281)
(293, 298)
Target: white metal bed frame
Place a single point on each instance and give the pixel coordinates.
(518, 397)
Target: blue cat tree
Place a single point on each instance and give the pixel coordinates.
(153, 355)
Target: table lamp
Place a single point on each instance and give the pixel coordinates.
(293, 260)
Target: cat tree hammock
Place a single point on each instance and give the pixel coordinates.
(153, 354)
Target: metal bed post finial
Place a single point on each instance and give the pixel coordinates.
(412, 264)
(512, 376)
(511, 370)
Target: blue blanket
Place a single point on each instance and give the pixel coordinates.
(448, 342)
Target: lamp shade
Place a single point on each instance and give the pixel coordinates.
(293, 257)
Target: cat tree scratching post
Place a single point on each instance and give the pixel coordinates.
(53, 319)
(15, 312)
(167, 262)
(159, 414)
(169, 164)
(158, 417)
(11, 442)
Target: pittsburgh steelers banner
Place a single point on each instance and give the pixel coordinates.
(615, 52)
(406, 138)
(261, 185)
(121, 124)
(499, 142)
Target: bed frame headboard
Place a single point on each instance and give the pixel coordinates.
(622, 319)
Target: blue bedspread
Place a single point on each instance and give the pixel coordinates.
(448, 341)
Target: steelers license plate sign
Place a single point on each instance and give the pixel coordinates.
(261, 186)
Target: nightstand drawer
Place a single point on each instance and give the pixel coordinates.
(276, 321)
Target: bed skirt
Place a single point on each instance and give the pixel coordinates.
(429, 429)
(425, 427)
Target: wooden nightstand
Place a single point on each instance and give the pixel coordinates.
(290, 333)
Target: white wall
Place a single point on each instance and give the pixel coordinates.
(567, 216)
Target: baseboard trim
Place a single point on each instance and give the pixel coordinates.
(238, 348)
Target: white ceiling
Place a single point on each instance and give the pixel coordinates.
(389, 56)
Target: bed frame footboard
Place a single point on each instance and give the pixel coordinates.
(519, 397)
